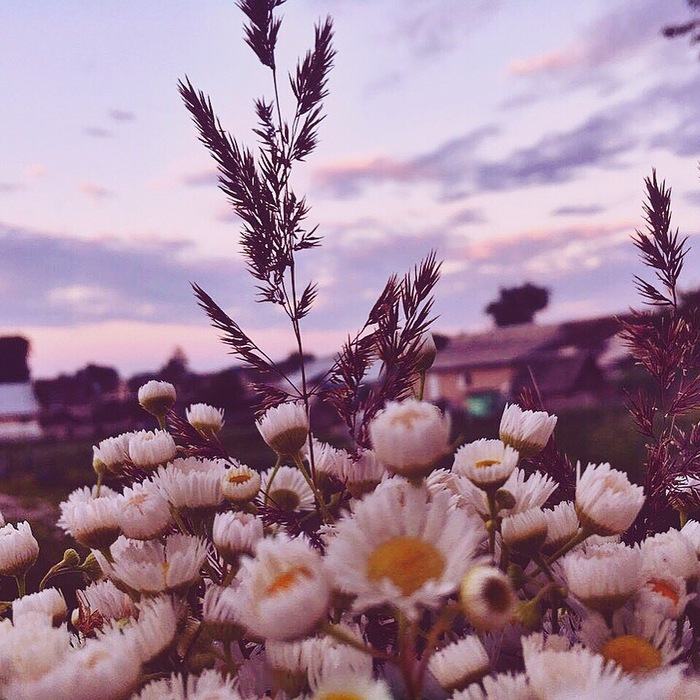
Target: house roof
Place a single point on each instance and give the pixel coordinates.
(17, 399)
(496, 347)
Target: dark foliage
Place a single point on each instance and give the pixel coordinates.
(666, 342)
(689, 28)
(14, 351)
(518, 304)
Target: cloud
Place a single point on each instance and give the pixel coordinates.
(623, 33)
(8, 187)
(95, 191)
(455, 166)
(466, 216)
(51, 280)
(200, 179)
(692, 197)
(97, 132)
(121, 115)
(578, 210)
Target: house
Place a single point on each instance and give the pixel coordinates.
(19, 409)
(479, 372)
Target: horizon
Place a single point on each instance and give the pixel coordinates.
(520, 156)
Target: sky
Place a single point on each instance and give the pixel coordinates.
(511, 137)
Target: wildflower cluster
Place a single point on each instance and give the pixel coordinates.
(403, 564)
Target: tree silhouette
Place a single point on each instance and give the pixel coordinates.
(14, 350)
(518, 304)
(691, 27)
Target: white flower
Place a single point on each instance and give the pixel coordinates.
(606, 502)
(111, 454)
(205, 418)
(240, 483)
(603, 578)
(352, 688)
(284, 589)
(504, 686)
(209, 685)
(664, 595)
(401, 547)
(236, 533)
(49, 602)
(486, 463)
(104, 597)
(427, 351)
(143, 512)
(222, 612)
(525, 531)
(562, 525)
(328, 658)
(151, 567)
(284, 428)
(92, 521)
(487, 598)
(157, 397)
(18, 549)
(361, 475)
(149, 449)
(192, 484)
(526, 431)
(410, 437)
(460, 663)
(329, 460)
(287, 489)
(670, 553)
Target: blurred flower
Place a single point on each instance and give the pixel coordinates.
(49, 602)
(18, 549)
(410, 437)
(460, 663)
(236, 533)
(111, 454)
(487, 598)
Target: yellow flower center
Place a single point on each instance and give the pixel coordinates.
(340, 696)
(633, 654)
(238, 478)
(407, 562)
(480, 464)
(287, 579)
(664, 589)
(406, 418)
(137, 500)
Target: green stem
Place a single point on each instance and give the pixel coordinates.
(268, 486)
(21, 584)
(348, 639)
(327, 517)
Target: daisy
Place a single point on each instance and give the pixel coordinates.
(526, 431)
(603, 578)
(92, 521)
(192, 485)
(606, 502)
(221, 612)
(209, 685)
(671, 553)
(459, 664)
(143, 512)
(402, 548)
(287, 489)
(410, 437)
(157, 397)
(525, 531)
(504, 686)
(205, 418)
(486, 463)
(18, 549)
(285, 428)
(149, 449)
(111, 454)
(105, 598)
(352, 688)
(284, 590)
(240, 483)
(562, 525)
(328, 658)
(363, 473)
(151, 567)
(49, 602)
(236, 533)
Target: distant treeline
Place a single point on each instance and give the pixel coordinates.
(14, 351)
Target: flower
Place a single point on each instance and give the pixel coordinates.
(526, 431)
(284, 589)
(49, 602)
(151, 567)
(111, 454)
(603, 578)
(460, 663)
(562, 525)
(362, 474)
(157, 397)
(410, 437)
(401, 547)
(487, 598)
(205, 418)
(351, 687)
(221, 612)
(91, 520)
(284, 428)
(209, 685)
(104, 597)
(526, 531)
(143, 512)
(486, 463)
(328, 658)
(236, 533)
(191, 484)
(606, 502)
(240, 483)
(18, 549)
(427, 351)
(287, 489)
(149, 449)
(670, 553)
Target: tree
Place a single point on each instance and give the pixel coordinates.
(14, 350)
(518, 304)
